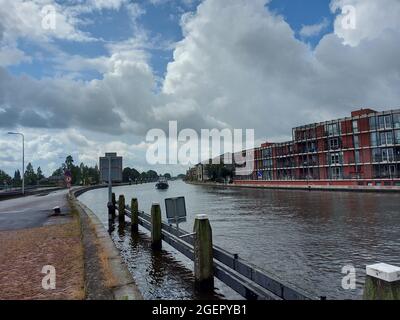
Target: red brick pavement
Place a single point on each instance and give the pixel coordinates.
(23, 253)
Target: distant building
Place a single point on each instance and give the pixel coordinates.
(116, 167)
(360, 150)
(201, 172)
(191, 174)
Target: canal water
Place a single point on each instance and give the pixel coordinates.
(302, 237)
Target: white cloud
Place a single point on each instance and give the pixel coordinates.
(238, 65)
(373, 19)
(10, 55)
(314, 29)
(24, 19)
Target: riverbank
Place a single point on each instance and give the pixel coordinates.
(300, 185)
(33, 242)
(66, 255)
(106, 275)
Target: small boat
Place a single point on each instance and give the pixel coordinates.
(162, 184)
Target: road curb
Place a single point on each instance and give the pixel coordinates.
(124, 287)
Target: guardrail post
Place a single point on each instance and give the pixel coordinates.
(121, 208)
(134, 215)
(156, 226)
(382, 282)
(203, 253)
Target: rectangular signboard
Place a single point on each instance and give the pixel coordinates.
(175, 209)
(116, 169)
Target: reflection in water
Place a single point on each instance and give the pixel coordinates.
(302, 237)
(159, 275)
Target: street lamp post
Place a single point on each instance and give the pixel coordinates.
(23, 159)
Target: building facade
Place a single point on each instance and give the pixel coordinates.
(362, 150)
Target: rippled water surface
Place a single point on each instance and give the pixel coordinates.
(303, 237)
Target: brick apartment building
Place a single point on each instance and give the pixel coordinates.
(361, 150)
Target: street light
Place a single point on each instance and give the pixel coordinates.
(23, 159)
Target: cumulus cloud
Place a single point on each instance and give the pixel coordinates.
(26, 19)
(314, 29)
(372, 19)
(238, 65)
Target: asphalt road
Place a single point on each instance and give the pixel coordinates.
(31, 211)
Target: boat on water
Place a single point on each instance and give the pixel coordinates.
(162, 184)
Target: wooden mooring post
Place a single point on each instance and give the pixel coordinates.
(156, 242)
(111, 211)
(121, 208)
(113, 199)
(382, 282)
(203, 253)
(134, 215)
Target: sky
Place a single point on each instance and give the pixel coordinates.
(108, 71)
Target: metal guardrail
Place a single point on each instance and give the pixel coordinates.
(249, 281)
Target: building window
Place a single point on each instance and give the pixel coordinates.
(387, 155)
(333, 144)
(332, 129)
(385, 122)
(372, 123)
(397, 136)
(374, 139)
(357, 156)
(336, 173)
(386, 138)
(376, 155)
(356, 141)
(396, 120)
(267, 153)
(355, 126)
(335, 158)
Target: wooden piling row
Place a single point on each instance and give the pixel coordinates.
(203, 248)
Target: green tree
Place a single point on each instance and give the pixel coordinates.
(94, 174)
(130, 174)
(151, 174)
(39, 174)
(168, 176)
(69, 162)
(17, 181)
(58, 172)
(81, 174)
(74, 170)
(30, 175)
(4, 178)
